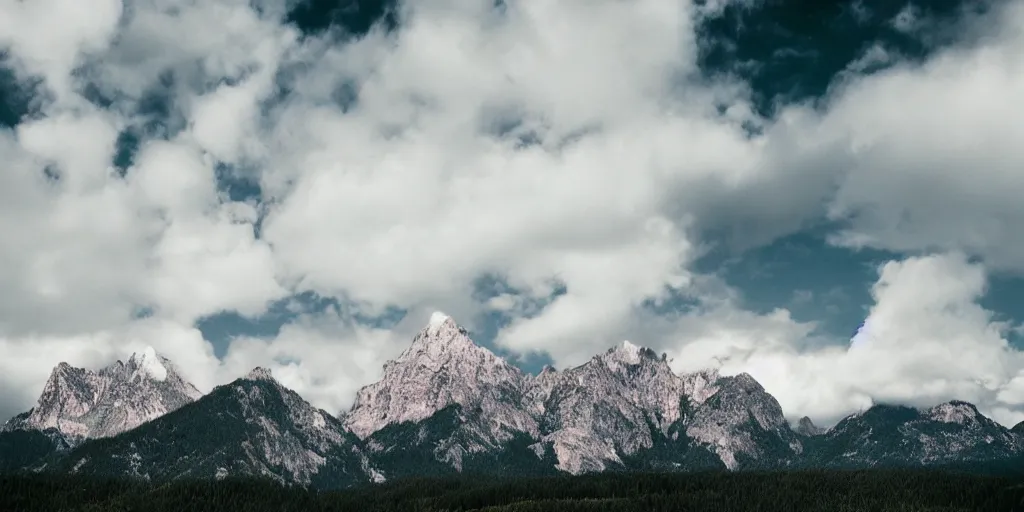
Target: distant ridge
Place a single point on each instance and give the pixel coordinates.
(447, 405)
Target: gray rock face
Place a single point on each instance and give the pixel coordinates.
(82, 404)
(443, 367)
(589, 418)
(612, 406)
(741, 420)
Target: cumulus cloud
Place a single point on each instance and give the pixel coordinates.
(935, 161)
(325, 357)
(925, 340)
(570, 145)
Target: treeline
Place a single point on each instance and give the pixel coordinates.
(840, 491)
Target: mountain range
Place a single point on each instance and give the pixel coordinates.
(447, 405)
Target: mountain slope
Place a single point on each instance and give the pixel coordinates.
(250, 427)
(30, 450)
(82, 404)
(450, 442)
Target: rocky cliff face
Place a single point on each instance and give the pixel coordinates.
(743, 425)
(613, 406)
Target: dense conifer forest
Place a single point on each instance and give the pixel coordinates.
(841, 491)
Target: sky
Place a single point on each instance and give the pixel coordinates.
(823, 195)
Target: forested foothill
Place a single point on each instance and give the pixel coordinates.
(835, 490)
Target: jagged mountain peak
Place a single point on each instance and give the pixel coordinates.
(149, 362)
(80, 403)
(628, 353)
(954, 411)
(442, 337)
(443, 367)
(263, 428)
(260, 373)
(746, 382)
(1018, 429)
(806, 427)
(614, 405)
(736, 420)
(438, 319)
(62, 372)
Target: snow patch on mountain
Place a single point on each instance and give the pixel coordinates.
(149, 363)
(437, 320)
(630, 352)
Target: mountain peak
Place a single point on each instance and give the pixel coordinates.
(954, 411)
(747, 382)
(629, 354)
(443, 366)
(438, 319)
(81, 403)
(439, 339)
(150, 363)
(259, 373)
(270, 434)
(630, 348)
(807, 427)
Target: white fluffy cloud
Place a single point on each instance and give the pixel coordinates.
(549, 142)
(925, 340)
(935, 159)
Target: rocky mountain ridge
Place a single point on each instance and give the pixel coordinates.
(81, 404)
(447, 405)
